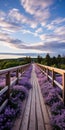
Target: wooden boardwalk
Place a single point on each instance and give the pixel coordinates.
(35, 116)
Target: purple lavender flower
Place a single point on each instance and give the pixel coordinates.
(9, 113)
(58, 90)
(20, 91)
(51, 98)
(57, 108)
(59, 78)
(58, 122)
(25, 83)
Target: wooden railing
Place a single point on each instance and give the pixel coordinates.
(7, 72)
(51, 76)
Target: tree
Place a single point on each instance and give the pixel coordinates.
(39, 59)
(48, 59)
(54, 61)
(27, 59)
(59, 60)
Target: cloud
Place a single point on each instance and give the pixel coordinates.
(34, 5)
(48, 46)
(52, 37)
(24, 31)
(58, 22)
(40, 10)
(20, 18)
(19, 55)
(39, 30)
(36, 21)
(60, 31)
(6, 24)
(16, 43)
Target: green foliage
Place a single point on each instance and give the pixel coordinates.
(58, 62)
(54, 65)
(7, 63)
(39, 59)
(62, 66)
(48, 60)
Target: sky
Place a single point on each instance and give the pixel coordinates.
(32, 27)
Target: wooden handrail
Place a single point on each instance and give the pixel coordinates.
(52, 77)
(4, 71)
(60, 71)
(7, 72)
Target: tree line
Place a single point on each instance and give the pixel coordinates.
(7, 63)
(58, 62)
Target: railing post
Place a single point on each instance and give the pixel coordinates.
(8, 84)
(21, 70)
(47, 73)
(63, 87)
(17, 74)
(44, 69)
(53, 77)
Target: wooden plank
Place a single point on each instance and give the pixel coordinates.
(32, 123)
(59, 85)
(48, 127)
(48, 110)
(13, 69)
(43, 109)
(19, 119)
(45, 113)
(39, 113)
(40, 123)
(60, 71)
(13, 82)
(63, 82)
(53, 77)
(3, 105)
(8, 84)
(25, 119)
(3, 90)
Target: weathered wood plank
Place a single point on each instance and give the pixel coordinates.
(32, 122)
(3, 90)
(39, 113)
(35, 116)
(43, 109)
(40, 123)
(19, 119)
(3, 105)
(4, 71)
(25, 120)
(59, 85)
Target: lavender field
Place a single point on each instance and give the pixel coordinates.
(50, 95)
(20, 92)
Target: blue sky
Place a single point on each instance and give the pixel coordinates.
(32, 27)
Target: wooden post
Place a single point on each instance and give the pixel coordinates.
(53, 77)
(44, 69)
(63, 78)
(8, 84)
(17, 74)
(47, 73)
(21, 70)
